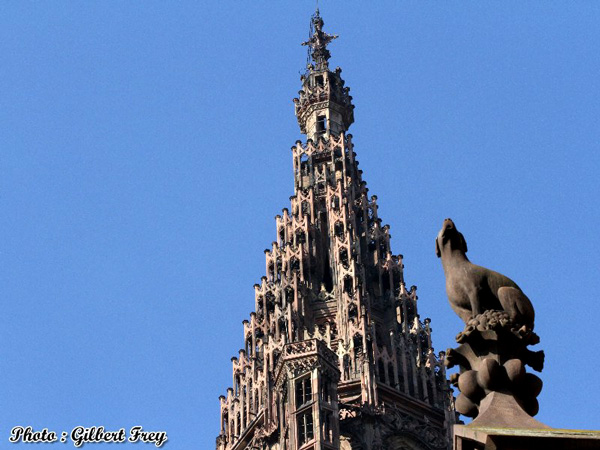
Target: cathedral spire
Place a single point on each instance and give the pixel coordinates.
(335, 356)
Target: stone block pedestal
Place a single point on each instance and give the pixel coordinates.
(503, 425)
(468, 437)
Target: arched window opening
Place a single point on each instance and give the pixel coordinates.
(338, 229)
(344, 257)
(382, 248)
(282, 235)
(352, 311)
(303, 392)
(304, 165)
(305, 427)
(381, 368)
(348, 286)
(271, 273)
(321, 124)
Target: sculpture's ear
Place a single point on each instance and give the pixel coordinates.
(463, 243)
(437, 248)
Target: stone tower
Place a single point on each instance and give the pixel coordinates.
(335, 355)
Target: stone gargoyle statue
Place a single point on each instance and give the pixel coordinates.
(499, 319)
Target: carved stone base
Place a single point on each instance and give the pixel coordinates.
(492, 356)
(502, 410)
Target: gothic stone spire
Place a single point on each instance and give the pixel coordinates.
(335, 355)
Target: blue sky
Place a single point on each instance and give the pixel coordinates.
(145, 150)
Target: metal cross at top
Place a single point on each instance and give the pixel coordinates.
(318, 41)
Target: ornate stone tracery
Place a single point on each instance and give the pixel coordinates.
(335, 355)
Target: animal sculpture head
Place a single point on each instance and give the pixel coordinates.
(449, 239)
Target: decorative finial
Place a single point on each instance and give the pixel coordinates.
(318, 41)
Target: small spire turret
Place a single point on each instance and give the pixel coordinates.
(324, 106)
